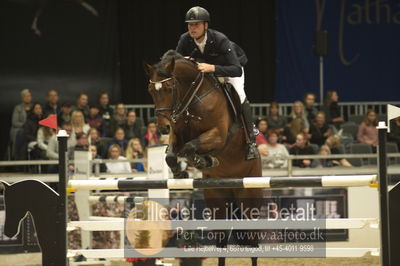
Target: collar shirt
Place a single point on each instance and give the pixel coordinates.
(202, 45)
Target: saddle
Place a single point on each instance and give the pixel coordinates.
(233, 99)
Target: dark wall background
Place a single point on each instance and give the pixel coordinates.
(364, 42)
(148, 28)
(80, 52)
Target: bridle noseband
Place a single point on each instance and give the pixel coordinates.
(179, 109)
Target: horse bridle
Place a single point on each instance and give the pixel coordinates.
(179, 108)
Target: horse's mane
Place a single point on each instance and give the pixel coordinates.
(166, 58)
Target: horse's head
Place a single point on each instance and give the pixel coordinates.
(14, 212)
(163, 89)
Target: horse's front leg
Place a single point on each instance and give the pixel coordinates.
(206, 142)
(172, 159)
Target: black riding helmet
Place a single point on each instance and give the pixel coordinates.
(197, 14)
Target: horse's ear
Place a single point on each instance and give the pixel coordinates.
(170, 66)
(149, 69)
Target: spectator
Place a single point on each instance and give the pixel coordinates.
(135, 151)
(262, 149)
(18, 120)
(82, 104)
(262, 126)
(51, 106)
(309, 106)
(31, 127)
(95, 155)
(120, 140)
(333, 142)
(367, 132)
(82, 143)
(296, 126)
(52, 148)
(114, 153)
(298, 112)
(65, 113)
(319, 130)
(78, 123)
(301, 147)
(151, 137)
(94, 139)
(394, 134)
(133, 126)
(43, 137)
(94, 120)
(106, 112)
(277, 153)
(119, 117)
(274, 120)
(332, 110)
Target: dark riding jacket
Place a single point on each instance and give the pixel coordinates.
(227, 56)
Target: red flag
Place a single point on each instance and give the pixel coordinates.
(50, 121)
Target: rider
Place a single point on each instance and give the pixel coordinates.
(217, 54)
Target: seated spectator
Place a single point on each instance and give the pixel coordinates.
(51, 106)
(367, 132)
(296, 126)
(301, 147)
(298, 112)
(65, 113)
(332, 109)
(106, 112)
(31, 127)
(119, 117)
(82, 143)
(135, 151)
(43, 137)
(94, 139)
(262, 126)
(120, 140)
(82, 104)
(151, 137)
(394, 134)
(319, 130)
(310, 109)
(18, 120)
(52, 147)
(78, 123)
(262, 149)
(94, 155)
(325, 162)
(333, 142)
(277, 153)
(133, 126)
(94, 120)
(274, 120)
(114, 153)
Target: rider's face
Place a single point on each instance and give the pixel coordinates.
(196, 29)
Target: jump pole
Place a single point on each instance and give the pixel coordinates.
(62, 213)
(383, 195)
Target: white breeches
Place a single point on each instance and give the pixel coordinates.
(238, 84)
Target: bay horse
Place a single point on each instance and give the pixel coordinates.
(41, 202)
(192, 108)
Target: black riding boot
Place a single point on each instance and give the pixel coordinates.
(252, 151)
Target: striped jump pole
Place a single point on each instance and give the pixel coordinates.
(227, 183)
